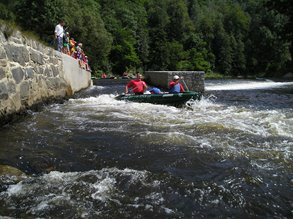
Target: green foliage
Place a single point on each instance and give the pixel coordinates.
(86, 26)
(123, 53)
(5, 13)
(126, 21)
(158, 20)
(38, 16)
(268, 52)
(232, 37)
(213, 75)
(284, 8)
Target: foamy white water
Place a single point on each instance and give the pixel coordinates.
(248, 86)
(261, 122)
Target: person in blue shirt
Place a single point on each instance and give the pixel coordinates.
(175, 86)
(155, 90)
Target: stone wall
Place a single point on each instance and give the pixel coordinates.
(32, 73)
(193, 79)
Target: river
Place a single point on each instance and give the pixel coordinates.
(226, 156)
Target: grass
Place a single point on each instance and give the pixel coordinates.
(214, 75)
(8, 28)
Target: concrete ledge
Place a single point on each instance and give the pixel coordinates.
(193, 79)
(75, 76)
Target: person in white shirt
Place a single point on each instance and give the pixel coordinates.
(59, 32)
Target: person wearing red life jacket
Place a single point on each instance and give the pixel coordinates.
(175, 86)
(104, 75)
(137, 85)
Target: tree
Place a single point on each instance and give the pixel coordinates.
(158, 20)
(233, 37)
(222, 50)
(271, 54)
(87, 26)
(285, 7)
(126, 21)
(43, 15)
(6, 8)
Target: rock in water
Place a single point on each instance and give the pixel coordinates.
(9, 170)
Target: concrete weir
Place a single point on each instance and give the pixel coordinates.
(31, 73)
(193, 79)
(76, 77)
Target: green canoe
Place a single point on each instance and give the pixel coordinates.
(165, 98)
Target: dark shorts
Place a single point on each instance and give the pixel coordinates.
(138, 93)
(59, 43)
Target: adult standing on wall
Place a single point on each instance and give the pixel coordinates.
(59, 33)
(138, 86)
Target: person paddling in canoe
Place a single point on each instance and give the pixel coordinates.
(175, 86)
(137, 85)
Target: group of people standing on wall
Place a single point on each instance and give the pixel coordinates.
(138, 86)
(69, 46)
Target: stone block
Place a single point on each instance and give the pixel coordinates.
(39, 47)
(42, 70)
(2, 53)
(29, 42)
(34, 45)
(14, 64)
(3, 91)
(11, 87)
(49, 52)
(51, 84)
(37, 57)
(24, 90)
(57, 54)
(17, 53)
(55, 70)
(29, 73)
(38, 69)
(2, 37)
(42, 48)
(54, 61)
(46, 59)
(48, 72)
(17, 74)
(3, 62)
(41, 81)
(18, 36)
(2, 73)
(15, 40)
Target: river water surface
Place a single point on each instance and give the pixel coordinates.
(226, 156)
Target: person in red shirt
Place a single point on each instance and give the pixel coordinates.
(104, 75)
(137, 85)
(175, 86)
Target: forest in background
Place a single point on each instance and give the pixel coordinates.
(230, 37)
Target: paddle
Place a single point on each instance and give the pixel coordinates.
(131, 90)
(184, 83)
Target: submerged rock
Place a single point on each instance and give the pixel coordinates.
(288, 75)
(9, 170)
(9, 175)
